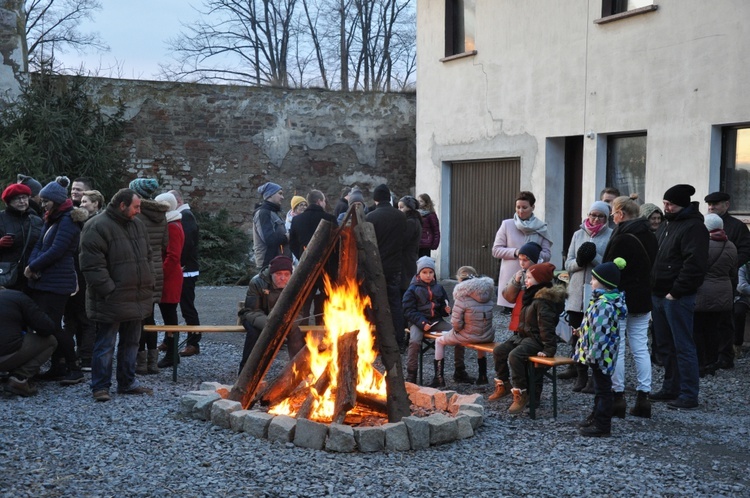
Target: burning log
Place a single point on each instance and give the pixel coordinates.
(281, 319)
(320, 387)
(347, 254)
(294, 372)
(346, 377)
(398, 400)
(373, 401)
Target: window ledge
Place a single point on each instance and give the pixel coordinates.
(453, 57)
(625, 15)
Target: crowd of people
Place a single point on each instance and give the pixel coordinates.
(77, 274)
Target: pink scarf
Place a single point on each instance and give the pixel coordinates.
(593, 230)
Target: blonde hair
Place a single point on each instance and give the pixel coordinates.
(627, 205)
(95, 196)
(465, 273)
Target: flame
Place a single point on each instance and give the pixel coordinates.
(343, 313)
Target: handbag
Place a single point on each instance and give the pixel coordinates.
(8, 273)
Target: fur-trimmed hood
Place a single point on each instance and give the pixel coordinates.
(154, 210)
(79, 215)
(480, 289)
(556, 294)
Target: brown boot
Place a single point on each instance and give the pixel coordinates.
(140, 363)
(502, 389)
(520, 400)
(152, 361)
(642, 406)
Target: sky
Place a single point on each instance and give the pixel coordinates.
(136, 32)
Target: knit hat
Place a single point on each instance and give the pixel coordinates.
(465, 273)
(713, 222)
(648, 209)
(268, 189)
(34, 185)
(281, 263)
(14, 190)
(356, 196)
(531, 250)
(410, 202)
(425, 262)
(600, 206)
(381, 194)
(679, 194)
(542, 272)
(296, 200)
(145, 187)
(54, 192)
(717, 197)
(609, 273)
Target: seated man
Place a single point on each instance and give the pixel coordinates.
(262, 294)
(26, 340)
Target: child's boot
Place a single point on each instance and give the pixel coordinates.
(482, 365)
(520, 400)
(411, 376)
(439, 379)
(620, 406)
(459, 373)
(140, 363)
(642, 406)
(502, 389)
(583, 378)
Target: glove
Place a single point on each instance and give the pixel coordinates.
(585, 254)
(6, 241)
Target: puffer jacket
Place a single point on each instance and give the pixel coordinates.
(116, 260)
(269, 234)
(21, 225)
(682, 258)
(473, 300)
(716, 293)
(540, 314)
(154, 215)
(52, 257)
(579, 276)
(430, 237)
(600, 330)
(424, 303)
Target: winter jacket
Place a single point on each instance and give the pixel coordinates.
(682, 258)
(579, 276)
(260, 299)
(390, 227)
(269, 234)
(507, 240)
(513, 293)
(424, 303)
(23, 225)
(743, 287)
(540, 316)
(172, 267)
(154, 215)
(116, 260)
(634, 242)
(472, 309)
(738, 233)
(304, 226)
(410, 250)
(52, 258)
(717, 292)
(430, 238)
(600, 331)
(342, 206)
(18, 315)
(189, 256)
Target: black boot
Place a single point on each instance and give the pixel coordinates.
(57, 371)
(411, 376)
(569, 373)
(482, 366)
(461, 376)
(589, 389)
(439, 379)
(620, 406)
(642, 406)
(583, 377)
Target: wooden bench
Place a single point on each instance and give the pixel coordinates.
(428, 342)
(545, 362)
(202, 329)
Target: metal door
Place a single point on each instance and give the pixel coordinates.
(483, 194)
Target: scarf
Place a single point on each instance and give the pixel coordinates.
(718, 234)
(534, 229)
(593, 230)
(51, 216)
(528, 295)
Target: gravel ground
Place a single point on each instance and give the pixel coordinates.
(62, 443)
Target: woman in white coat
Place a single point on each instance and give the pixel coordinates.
(513, 233)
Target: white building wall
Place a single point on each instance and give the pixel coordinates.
(545, 70)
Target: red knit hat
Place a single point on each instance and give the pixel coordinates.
(14, 190)
(542, 272)
(281, 263)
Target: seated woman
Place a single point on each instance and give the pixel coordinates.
(471, 317)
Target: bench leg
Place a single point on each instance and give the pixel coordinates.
(175, 354)
(531, 376)
(554, 391)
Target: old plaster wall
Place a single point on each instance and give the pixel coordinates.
(217, 144)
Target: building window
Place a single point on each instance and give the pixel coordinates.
(459, 26)
(612, 7)
(735, 166)
(626, 164)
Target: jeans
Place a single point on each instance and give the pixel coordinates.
(104, 350)
(603, 399)
(673, 332)
(187, 308)
(635, 328)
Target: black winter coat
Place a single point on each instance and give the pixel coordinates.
(410, 252)
(304, 226)
(22, 225)
(390, 227)
(189, 257)
(19, 313)
(738, 233)
(682, 258)
(634, 242)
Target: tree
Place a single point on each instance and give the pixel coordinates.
(53, 25)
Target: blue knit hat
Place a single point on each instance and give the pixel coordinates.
(609, 273)
(145, 187)
(268, 189)
(54, 192)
